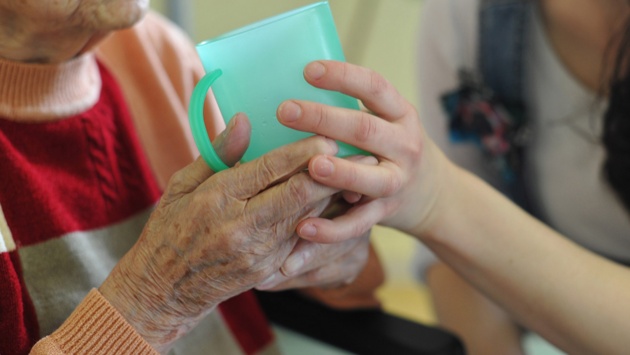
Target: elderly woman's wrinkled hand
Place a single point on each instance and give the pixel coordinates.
(213, 236)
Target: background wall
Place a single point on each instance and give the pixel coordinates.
(379, 34)
(376, 33)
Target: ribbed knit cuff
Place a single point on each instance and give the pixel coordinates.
(96, 327)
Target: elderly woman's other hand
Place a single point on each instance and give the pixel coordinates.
(323, 265)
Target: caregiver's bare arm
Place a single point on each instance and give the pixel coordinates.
(572, 297)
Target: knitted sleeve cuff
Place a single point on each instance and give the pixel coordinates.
(95, 327)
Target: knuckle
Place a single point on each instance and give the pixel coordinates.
(177, 179)
(321, 117)
(266, 169)
(316, 276)
(414, 143)
(411, 111)
(392, 185)
(415, 149)
(210, 202)
(299, 190)
(177, 185)
(351, 176)
(199, 200)
(360, 228)
(250, 262)
(356, 230)
(321, 145)
(378, 85)
(266, 267)
(366, 128)
(345, 73)
(271, 267)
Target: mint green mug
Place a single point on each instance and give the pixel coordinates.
(255, 68)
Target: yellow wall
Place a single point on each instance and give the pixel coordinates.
(379, 34)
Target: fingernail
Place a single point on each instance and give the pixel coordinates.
(231, 124)
(269, 282)
(323, 167)
(352, 197)
(307, 231)
(289, 111)
(294, 264)
(368, 160)
(315, 70)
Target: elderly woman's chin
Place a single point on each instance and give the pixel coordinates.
(117, 14)
(45, 31)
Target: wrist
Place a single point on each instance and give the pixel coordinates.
(444, 180)
(135, 292)
(121, 291)
(450, 207)
(96, 326)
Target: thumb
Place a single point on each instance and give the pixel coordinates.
(230, 145)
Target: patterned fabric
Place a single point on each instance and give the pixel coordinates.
(476, 114)
(488, 107)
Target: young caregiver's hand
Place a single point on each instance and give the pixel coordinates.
(323, 265)
(402, 190)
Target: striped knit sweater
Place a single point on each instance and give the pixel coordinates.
(78, 184)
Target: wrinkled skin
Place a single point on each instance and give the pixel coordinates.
(324, 265)
(214, 236)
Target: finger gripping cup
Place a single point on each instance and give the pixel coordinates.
(257, 67)
(198, 126)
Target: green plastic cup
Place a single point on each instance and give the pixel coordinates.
(255, 68)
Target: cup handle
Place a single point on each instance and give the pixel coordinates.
(198, 125)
